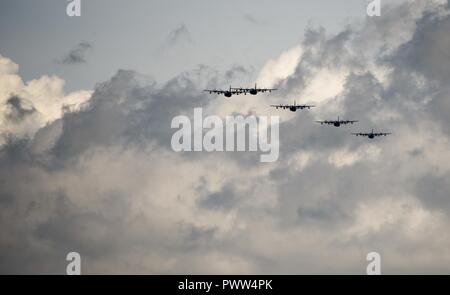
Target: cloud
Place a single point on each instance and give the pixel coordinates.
(180, 34)
(25, 107)
(8, 67)
(102, 179)
(343, 158)
(77, 55)
(277, 70)
(253, 20)
(17, 111)
(236, 73)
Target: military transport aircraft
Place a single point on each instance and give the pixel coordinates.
(254, 91)
(292, 107)
(227, 93)
(337, 123)
(372, 134)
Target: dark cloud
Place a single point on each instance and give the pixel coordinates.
(77, 55)
(321, 214)
(236, 72)
(428, 51)
(434, 191)
(17, 111)
(253, 20)
(225, 199)
(180, 34)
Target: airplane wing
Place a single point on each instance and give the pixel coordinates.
(292, 106)
(214, 91)
(266, 89)
(382, 134)
(349, 121)
(325, 122)
(304, 106)
(253, 89)
(360, 134)
(277, 106)
(241, 90)
(237, 91)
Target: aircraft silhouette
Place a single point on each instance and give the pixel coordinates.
(254, 91)
(372, 134)
(338, 122)
(226, 93)
(293, 107)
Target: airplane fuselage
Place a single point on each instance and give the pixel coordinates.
(371, 136)
(293, 109)
(227, 94)
(253, 92)
(337, 124)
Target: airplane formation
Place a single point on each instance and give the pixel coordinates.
(236, 91)
(294, 107)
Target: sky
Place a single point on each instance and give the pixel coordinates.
(86, 162)
(159, 38)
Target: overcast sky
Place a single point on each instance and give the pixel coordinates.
(86, 105)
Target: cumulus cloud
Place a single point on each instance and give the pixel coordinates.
(25, 107)
(101, 179)
(279, 69)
